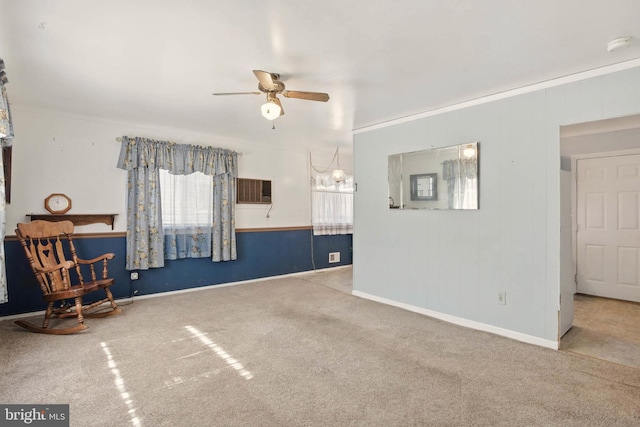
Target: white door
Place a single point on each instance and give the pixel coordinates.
(608, 235)
(567, 266)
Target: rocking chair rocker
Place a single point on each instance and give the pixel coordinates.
(44, 244)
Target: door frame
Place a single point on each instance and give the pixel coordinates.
(585, 128)
(567, 272)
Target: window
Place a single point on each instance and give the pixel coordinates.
(186, 199)
(187, 214)
(150, 239)
(331, 204)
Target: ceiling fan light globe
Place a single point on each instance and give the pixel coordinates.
(271, 110)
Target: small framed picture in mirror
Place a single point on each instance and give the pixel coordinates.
(424, 186)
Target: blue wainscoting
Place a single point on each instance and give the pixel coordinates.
(260, 254)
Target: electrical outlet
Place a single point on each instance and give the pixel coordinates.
(134, 275)
(334, 257)
(502, 298)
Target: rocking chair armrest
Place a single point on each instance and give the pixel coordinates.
(94, 260)
(67, 265)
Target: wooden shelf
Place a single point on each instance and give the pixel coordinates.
(77, 219)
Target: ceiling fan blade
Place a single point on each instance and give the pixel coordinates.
(311, 96)
(266, 80)
(277, 101)
(238, 93)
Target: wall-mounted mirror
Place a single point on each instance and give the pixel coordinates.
(441, 178)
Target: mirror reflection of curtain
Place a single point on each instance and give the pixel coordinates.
(142, 158)
(461, 176)
(6, 140)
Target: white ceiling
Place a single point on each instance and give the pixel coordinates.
(157, 62)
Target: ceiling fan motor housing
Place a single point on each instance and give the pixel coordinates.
(278, 87)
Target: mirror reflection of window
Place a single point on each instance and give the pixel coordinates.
(424, 187)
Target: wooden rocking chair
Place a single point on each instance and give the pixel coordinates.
(44, 244)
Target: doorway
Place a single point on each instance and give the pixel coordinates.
(580, 144)
(608, 226)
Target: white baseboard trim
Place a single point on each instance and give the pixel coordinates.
(518, 336)
(184, 291)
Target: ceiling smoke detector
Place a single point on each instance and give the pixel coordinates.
(619, 43)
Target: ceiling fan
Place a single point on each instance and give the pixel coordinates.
(270, 84)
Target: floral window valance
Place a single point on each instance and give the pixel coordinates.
(178, 159)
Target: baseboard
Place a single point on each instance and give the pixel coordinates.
(518, 336)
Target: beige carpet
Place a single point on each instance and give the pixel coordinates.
(293, 352)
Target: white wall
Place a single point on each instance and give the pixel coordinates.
(77, 156)
(455, 262)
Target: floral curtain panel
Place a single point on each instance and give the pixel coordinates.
(3, 220)
(6, 126)
(145, 241)
(144, 219)
(6, 139)
(224, 217)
